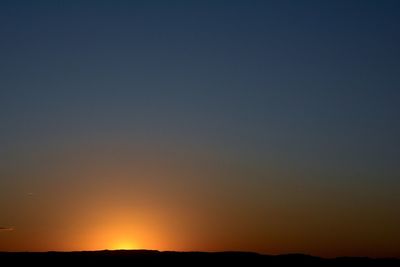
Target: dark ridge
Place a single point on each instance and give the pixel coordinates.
(174, 258)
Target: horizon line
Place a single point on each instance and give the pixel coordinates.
(198, 251)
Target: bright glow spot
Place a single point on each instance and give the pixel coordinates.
(124, 245)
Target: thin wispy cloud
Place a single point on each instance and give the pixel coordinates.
(5, 229)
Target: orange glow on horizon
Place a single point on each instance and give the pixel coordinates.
(123, 245)
(121, 229)
(117, 237)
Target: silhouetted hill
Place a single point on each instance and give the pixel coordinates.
(169, 258)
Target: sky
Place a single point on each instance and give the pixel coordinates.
(266, 126)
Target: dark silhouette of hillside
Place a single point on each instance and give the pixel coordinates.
(157, 258)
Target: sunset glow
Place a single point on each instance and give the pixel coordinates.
(262, 126)
(123, 245)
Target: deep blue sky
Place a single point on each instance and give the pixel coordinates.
(299, 78)
(309, 87)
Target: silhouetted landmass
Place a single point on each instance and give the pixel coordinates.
(157, 258)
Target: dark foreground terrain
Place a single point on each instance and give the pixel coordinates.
(156, 258)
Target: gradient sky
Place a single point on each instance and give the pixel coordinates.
(268, 126)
